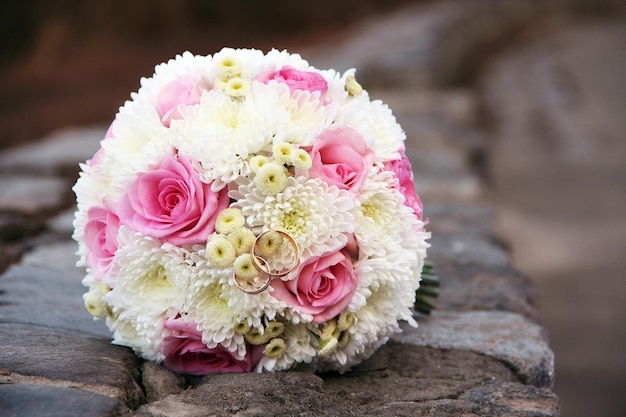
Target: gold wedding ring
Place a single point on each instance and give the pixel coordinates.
(252, 286)
(274, 254)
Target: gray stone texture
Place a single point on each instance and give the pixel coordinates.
(483, 352)
(33, 400)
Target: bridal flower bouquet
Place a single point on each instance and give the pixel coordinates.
(249, 212)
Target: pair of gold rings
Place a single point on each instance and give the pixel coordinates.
(274, 254)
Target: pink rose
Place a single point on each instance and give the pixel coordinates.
(186, 354)
(101, 240)
(182, 91)
(296, 79)
(341, 157)
(172, 204)
(402, 169)
(323, 286)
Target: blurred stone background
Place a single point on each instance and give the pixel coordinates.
(553, 97)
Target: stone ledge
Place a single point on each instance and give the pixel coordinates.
(32, 400)
(40, 355)
(508, 337)
(482, 353)
(396, 381)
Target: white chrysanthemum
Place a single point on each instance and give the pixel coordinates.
(220, 133)
(373, 325)
(337, 85)
(379, 216)
(315, 215)
(296, 117)
(208, 306)
(201, 68)
(145, 338)
(375, 122)
(151, 281)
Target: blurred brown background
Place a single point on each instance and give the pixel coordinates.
(74, 62)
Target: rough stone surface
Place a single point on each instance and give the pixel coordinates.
(465, 250)
(45, 289)
(487, 289)
(32, 400)
(506, 336)
(57, 153)
(32, 194)
(49, 356)
(425, 381)
(159, 382)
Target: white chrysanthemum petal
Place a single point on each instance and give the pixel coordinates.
(375, 122)
(315, 215)
(150, 282)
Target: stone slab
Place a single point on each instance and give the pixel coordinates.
(26, 400)
(464, 250)
(487, 289)
(396, 374)
(54, 153)
(46, 289)
(509, 337)
(399, 380)
(40, 355)
(32, 194)
(475, 218)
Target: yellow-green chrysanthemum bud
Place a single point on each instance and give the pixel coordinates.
(271, 178)
(344, 338)
(237, 87)
(268, 244)
(327, 347)
(228, 220)
(330, 330)
(242, 327)
(220, 252)
(228, 66)
(353, 87)
(274, 328)
(275, 348)
(301, 159)
(283, 152)
(242, 240)
(345, 320)
(258, 161)
(94, 304)
(244, 268)
(255, 338)
(220, 83)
